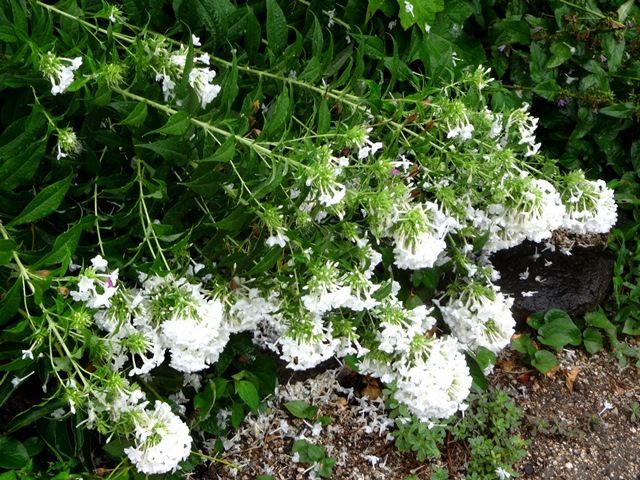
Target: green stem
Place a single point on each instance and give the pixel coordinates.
(148, 226)
(24, 273)
(585, 9)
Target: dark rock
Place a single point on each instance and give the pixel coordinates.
(575, 283)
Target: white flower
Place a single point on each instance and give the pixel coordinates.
(434, 380)
(590, 205)
(408, 7)
(419, 236)
(502, 474)
(162, 440)
(201, 80)
(480, 317)
(279, 239)
(99, 263)
(60, 71)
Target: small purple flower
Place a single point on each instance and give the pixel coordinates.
(563, 101)
(395, 172)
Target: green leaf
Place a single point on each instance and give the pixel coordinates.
(10, 475)
(7, 247)
(624, 10)
(137, 116)
(13, 454)
(631, 326)
(21, 166)
(248, 393)
(614, 51)
(45, 202)
(559, 330)
(277, 115)
(237, 415)
(267, 261)
(592, 340)
(177, 124)
(389, 8)
(560, 53)
(549, 89)
(301, 409)
(63, 248)
(277, 27)
(253, 35)
(419, 12)
(624, 110)
(171, 149)
(544, 360)
(34, 413)
(524, 345)
(10, 303)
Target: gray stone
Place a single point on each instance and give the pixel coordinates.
(540, 280)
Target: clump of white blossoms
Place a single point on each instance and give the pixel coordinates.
(531, 211)
(192, 326)
(59, 71)
(96, 288)
(479, 316)
(162, 440)
(590, 205)
(170, 69)
(433, 379)
(419, 236)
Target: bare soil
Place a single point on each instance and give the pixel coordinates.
(578, 419)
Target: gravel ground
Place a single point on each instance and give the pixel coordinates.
(578, 419)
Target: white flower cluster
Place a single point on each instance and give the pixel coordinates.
(590, 205)
(59, 71)
(172, 68)
(162, 440)
(419, 236)
(434, 381)
(533, 213)
(166, 314)
(480, 316)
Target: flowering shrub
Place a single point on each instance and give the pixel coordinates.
(214, 187)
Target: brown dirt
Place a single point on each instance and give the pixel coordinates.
(573, 436)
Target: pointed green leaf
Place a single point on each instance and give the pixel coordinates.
(248, 393)
(177, 124)
(45, 202)
(277, 28)
(137, 116)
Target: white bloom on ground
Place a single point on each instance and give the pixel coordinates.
(590, 205)
(162, 440)
(60, 71)
(480, 316)
(433, 380)
(502, 474)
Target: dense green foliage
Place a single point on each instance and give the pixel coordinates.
(120, 163)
